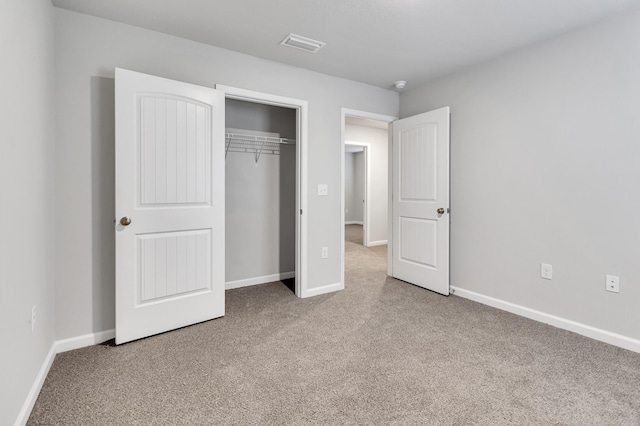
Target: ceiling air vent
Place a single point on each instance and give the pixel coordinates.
(302, 43)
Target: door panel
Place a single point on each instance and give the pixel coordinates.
(170, 183)
(418, 241)
(418, 156)
(173, 144)
(174, 263)
(420, 164)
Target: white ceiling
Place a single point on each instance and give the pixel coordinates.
(372, 41)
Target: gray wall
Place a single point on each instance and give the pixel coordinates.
(27, 175)
(353, 195)
(348, 186)
(260, 117)
(544, 168)
(260, 206)
(378, 175)
(358, 185)
(87, 50)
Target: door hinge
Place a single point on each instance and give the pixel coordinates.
(300, 211)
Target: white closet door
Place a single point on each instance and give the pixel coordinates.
(420, 200)
(170, 186)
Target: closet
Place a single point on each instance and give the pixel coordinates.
(260, 187)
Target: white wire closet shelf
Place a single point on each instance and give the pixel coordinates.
(255, 144)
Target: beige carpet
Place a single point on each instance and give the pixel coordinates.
(353, 233)
(379, 352)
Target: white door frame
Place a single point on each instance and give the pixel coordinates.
(301, 108)
(369, 116)
(365, 209)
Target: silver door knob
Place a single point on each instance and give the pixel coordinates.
(440, 210)
(125, 221)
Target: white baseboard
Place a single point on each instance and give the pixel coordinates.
(32, 396)
(377, 243)
(323, 290)
(354, 222)
(57, 347)
(259, 280)
(563, 323)
(85, 340)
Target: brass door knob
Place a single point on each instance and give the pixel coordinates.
(125, 221)
(440, 210)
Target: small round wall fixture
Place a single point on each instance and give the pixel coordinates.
(400, 84)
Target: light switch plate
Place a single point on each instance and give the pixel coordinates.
(546, 271)
(323, 189)
(325, 252)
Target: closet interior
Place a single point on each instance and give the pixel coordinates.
(260, 164)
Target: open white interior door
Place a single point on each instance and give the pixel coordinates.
(420, 200)
(169, 205)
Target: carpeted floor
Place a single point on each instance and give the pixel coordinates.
(353, 233)
(379, 352)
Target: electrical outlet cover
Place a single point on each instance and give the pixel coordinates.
(546, 271)
(613, 283)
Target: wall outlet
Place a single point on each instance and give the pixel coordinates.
(323, 189)
(325, 252)
(613, 283)
(546, 271)
(33, 318)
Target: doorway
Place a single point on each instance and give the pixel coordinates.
(365, 207)
(356, 196)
